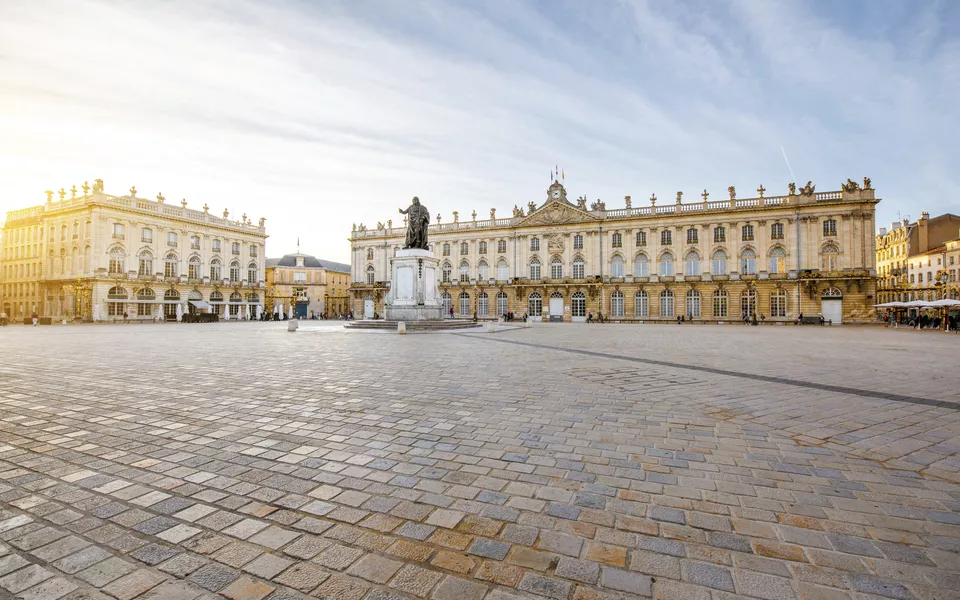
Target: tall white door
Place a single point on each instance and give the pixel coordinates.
(556, 307)
(368, 308)
(832, 310)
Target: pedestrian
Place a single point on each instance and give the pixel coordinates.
(590, 317)
(800, 319)
(451, 312)
(124, 316)
(678, 319)
(36, 318)
(3, 319)
(763, 317)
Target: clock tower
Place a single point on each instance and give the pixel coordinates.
(556, 192)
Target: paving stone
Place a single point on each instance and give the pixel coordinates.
(105, 572)
(213, 577)
(375, 568)
(871, 585)
(707, 575)
(302, 576)
(578, 570)
(625, 581)
(765, 586)
(454, 588)
(415, 581)
(246, 588)
(543, 586)
(134, 584)
(26, 577)
(489, 549)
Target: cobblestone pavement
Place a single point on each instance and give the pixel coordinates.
(567, 462)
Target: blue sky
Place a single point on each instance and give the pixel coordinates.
(317, 115)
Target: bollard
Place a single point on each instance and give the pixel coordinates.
(64, 322)
(401, 327)
(491, 328)
(292, 325)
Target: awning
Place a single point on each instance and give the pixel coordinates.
(200, 303)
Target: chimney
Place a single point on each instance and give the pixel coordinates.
(923, 230)
(924, 215)
(894, 226)
(883, 231)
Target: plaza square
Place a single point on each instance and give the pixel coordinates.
(562, 461)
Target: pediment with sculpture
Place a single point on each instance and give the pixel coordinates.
(557, 213)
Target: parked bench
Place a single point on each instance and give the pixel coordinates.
(813, 321)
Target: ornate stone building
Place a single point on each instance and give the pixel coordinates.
(710, 260)
(310, 285)
(95, 256)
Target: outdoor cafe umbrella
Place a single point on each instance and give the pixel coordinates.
(159, 312)
(291, 312)
(945, 303)
(226, 311)
(179, 311)
(246, 311)
(258, 312)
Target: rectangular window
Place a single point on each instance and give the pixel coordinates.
(617, 240)
(234, 273)
(216, 245)
(235, 248)
(578, 269)
(146, 236)
(830, 227)
(215, 272)
(641, 238)
(117, 231)
(776, 231)
(693, 306)
(692, 236)
(170, 268)
(747, 233)
(720, 305)
(193, 270)
(501, 246)
(171, 239)
(534, 270)
(146, 267)
(253, 251)
(195, 242)
(666, 238)
(535, 244)
(719, 234)
(578, 242)
(299, 276)
(778, 304)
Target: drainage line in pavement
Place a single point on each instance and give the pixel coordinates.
(782, 380)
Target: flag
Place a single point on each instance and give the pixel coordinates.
(551, 175)
(557, 167)
(562, 176)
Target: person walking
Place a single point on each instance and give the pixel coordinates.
(3, 319)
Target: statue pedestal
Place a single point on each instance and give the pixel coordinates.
(413, 287)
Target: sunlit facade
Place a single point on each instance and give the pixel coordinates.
(715, 260)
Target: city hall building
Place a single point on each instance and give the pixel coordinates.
(95, 256)
(708, 260)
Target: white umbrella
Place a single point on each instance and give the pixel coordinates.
(258, 312)
(277, 308)
(291, 312)
(945, 303)
(226, 311)
(159, 312)
(246, 311)
(96, 312)
(179, 311)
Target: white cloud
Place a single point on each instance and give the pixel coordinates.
(320, 115)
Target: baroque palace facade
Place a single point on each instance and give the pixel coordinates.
(804, 252)
(96, 256)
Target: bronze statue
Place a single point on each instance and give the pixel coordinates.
(793, 188)
(850, 186)
(866, 183)
(419, 220)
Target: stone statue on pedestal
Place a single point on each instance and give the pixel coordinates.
(417, 223)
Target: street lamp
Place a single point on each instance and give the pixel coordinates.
(942, 278)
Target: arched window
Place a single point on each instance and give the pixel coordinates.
(369, 253)
(501, 304)
(464, 248)
(641, 266)
(464, 271)
(617, 240)
(170, 300)
(616, 266)
(145, 260)
(464, 303)
(616, 304)
(830, 227)
(666, 303)
(193, 267)
(115, 294)
(829, 258)
(501, 246)
(778, 260)
(118, 259)
(235, 300)
(503, 270)
(447, 303)
(691, 263)
(483, 271)
(556, 268)
(641, 304)
(719, 266)
(579, 304)
(693, 304)
(748, 303)
(748, 262)
(63, 232)
(482, 248)
(483, 304)
(446, 249)
(216, 302)
(63, 260)
(235, 272)
(778, 303)
(578, 242)
(252, 275)
(535, 305)
(535, 269)
(371, 275)
(666, 265)
(832, 292)
(446, 272)
(195, 295)
(76, 230)
(170, 265)
(721, 303)
(145, 300)
(578, 268)
(215, 270)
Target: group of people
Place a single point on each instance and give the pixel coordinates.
(922, 321)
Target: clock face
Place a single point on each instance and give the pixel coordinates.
(556, 193)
